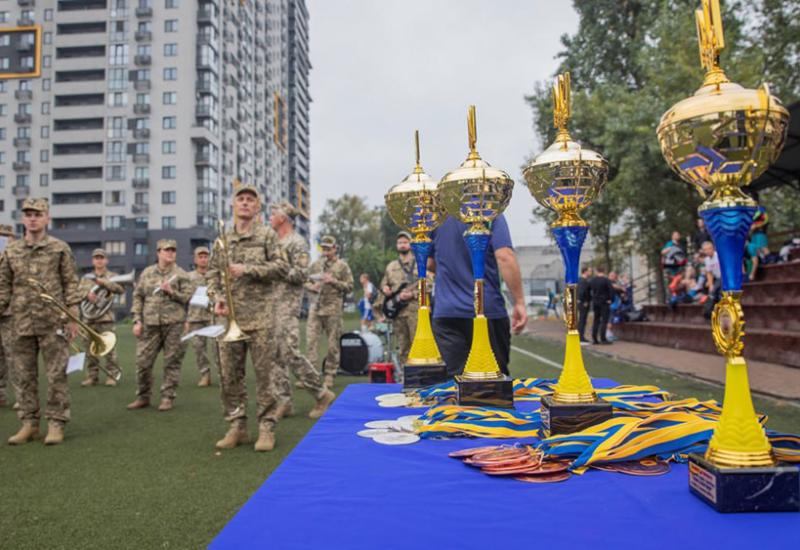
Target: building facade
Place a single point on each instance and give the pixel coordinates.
(136, 117)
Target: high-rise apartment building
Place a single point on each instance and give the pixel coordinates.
(135, 117)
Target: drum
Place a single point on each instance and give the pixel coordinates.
(358, 350)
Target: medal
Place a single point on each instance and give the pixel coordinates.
(645, 467)
(546, 478)
(372, 432)
(381, 424)
(395, 438)
(465, 453)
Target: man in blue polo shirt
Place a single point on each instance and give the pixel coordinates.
(453, 309)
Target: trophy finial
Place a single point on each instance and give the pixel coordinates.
(417, 166)
(711, 40)
(472, 131)
(562, 109)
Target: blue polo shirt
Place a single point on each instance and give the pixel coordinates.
(454, 281)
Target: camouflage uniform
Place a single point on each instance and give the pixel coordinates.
(289, 295)
(7, 373)
(197, 318)
(38, 326)
(162, 317)
(104, 323)
(326, 311)
(405, 324)
(253, 305)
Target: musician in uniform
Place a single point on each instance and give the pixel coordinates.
(38, 329)
(159, 311)
(105, 322)
(199, 317)
(7, 375)
(254, 262)
(399, 283)
(288, 296)
(330, 280)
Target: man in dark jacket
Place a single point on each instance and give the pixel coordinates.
(584, 301)
(602, 293)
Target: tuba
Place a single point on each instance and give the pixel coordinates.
(92, 311)
(233, 333)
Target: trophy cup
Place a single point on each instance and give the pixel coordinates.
(475, 194)
(413, 204)
(719, 140)
(566, 178)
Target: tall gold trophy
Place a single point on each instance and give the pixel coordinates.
(475, 194)
(567, 178)
(413, 204)
(720, 139)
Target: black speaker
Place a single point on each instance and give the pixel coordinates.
(354, 356)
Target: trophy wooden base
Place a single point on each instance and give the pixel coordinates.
(485, 393)
(566, 418)
(758, 489)
(422, 376)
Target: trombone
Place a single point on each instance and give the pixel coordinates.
(100, 344)
(233, 333)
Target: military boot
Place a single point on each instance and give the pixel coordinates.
(329, 378)
(55, 433)
(89, 382)
(15, 406)
(139, 403)
(235, 436)
(27, 432)
(323, 402)
(205, 380)
(285, 410)
(266, 439)
(299, 384)
(111, 382)
(165, 405)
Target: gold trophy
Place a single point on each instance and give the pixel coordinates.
(413, 204)
(567, 178)
(475, 194)
(720, 139)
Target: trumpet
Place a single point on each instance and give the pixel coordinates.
(91, 311)
(233, 333)
(116, 376)
(156, 291)
(100, 344)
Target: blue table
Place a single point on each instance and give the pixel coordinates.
(338, 490)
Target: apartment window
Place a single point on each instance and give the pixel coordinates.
(144, 26)
(48, 14)
(116, 127)
(24, 156)
(5, 40)
(2, 134)
(168, 172)
(119, 31)
(169, 147)
(143, 74)
(46, 108)
(171, 4)
(28, 14)
(115, 172)
(114, 222)
(170, 73)
(45, 84)
(23, 180)
(141, 172)
(171, 25)
(3, 17)
(169, 98)
(24, 132)
(25, 109)
(44, 132)
(168, 197)
(170, 50)
(2, 182)
(143, 99)
(115, 248)
(47, 61)
(48, 38)
(115, 151)
(140, 198)
(168, 222)
(141, 148)
(142, 123)
(5, 63)
(117, 99)
(140, 249)
(3, 86)
(3, 109)
(2, 157)
(117, 79)
(44, 155)
(118, 54)
(44, 180)
(144, 49)
(169, 122)
(115, 198)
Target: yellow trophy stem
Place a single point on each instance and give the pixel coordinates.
(481, 363)
(424, 350)
(574, 385)
(739, 440)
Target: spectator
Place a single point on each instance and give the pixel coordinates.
(584, 301)
(673, 256)
(700, 235)
(713, 274)
(551, 304)
(602, 295)
(757, 251)
(365, 303)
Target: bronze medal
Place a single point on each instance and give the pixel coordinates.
(465, 453)
(645, 467)
(547, 478)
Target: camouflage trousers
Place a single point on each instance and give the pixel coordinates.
(92, 362)
(155, 338)
(332, 326)
(269, 377)
(291, 360)
(55, 353)
(403, 329)
(199, 345)
(7, 371)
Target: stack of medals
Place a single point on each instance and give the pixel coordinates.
(522, 462)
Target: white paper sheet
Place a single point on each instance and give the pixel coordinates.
(211, 331)
(76, 362)
(200, 297)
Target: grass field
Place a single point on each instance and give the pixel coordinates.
(154, 480)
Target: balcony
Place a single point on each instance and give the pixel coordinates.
(141, 85)
(202, 158)
(21, 166)
(203, 86)
(142, 60)
(25, 3)
(203, 63)
(23, 95)
(203, 111)
(141, 183)
(22, 142)
(144, 12)
(203, 39)
(205, 16)
(25, 22)
(141, 133)
(141, 108)
(141, 158)
(140, 209)
(143, 36)
(22, 118)
(21, 191)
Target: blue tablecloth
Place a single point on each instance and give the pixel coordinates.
(338, 490)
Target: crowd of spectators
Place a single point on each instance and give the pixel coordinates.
(608, 297)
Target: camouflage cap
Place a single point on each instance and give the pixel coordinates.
(99, 252)
(405, 234)
(246, 188)
(327, 241)
(201, 250)
(39, 205)
(285, 208)
(6, 231)
(166, 243)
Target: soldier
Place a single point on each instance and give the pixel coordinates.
(38, 329)
(7, 374)
(289, 293)
(199, 317)
(330, 280)
(399, 279)
(104, 323)
(254, 261)
(159, 311)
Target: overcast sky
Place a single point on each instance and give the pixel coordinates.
(383, 68)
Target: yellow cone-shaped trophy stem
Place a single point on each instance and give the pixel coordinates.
(481, 363)
(424, 350)
(574, 385)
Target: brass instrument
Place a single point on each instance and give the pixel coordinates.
(100, 344)
(91, 311)
(233, 333)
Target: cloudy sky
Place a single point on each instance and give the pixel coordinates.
(383, 68)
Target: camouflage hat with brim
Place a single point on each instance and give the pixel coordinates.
(285, 208)
(404, 234)
(201, 250)
(166, 243)
(246, 188)
(99, 252)
(39, 205)
(327, 241)
(6, 231)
